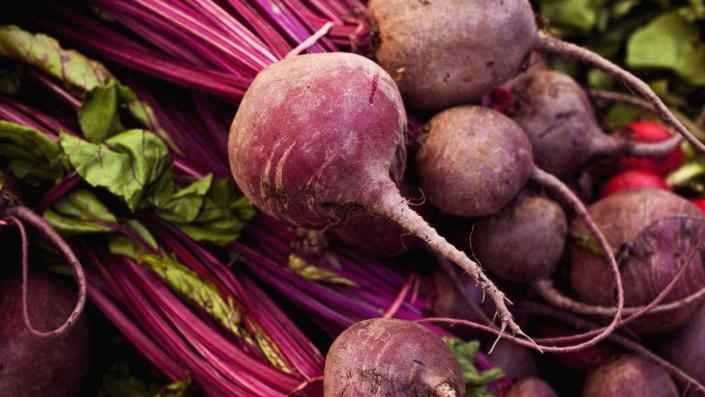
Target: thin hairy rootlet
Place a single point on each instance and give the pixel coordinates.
(319, 137)
(391, 357)
(481, 45)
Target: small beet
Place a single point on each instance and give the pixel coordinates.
(31, 365)
(629, 376)
(655, 232)
(633, 180)
(534, 227)
(531, 387)
(389, 357)
(473, 161)
(557, 116)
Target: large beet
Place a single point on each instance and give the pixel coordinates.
(629, 376)
(389, 357)
(32, 366)
(655, 231)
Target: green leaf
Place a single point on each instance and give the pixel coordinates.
(45, 53)
(98, 115)
(476, 382)
(80, 212)
(179, 206)
(223, 215)
(30, 154)
(183, 280)
(126, 164)
(670, 41)
(578, 14)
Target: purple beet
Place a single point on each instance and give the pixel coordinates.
(389, 357)
(557, 116)
(320, 137)
(524, 241)
(629, 376)
(38, 366)
(655, 232)
(517, 362)
(531, 387)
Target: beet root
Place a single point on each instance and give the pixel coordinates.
(319, 137)
(33, 365)
(524, 241)
(629, 376)
(473, 161)
(657, 232)
(389, 357)
(531, 387)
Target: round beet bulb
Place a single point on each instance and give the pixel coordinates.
(389, 357)
(633, 180)
(655, 232)
(629, 376)
(516, 361)
(534, 227)
(473, 161)
(32, 366)
(685, 348)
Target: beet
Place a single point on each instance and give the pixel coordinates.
(389, 357)
(654, 231)
(629, 376)
(319, 137)
(534, 227)
(446, 299)
(531, 387)
(473, 161)
(38, 366)
(685, 348)
(633, 180)
(451, 52)
(517, 362)
(557, 116)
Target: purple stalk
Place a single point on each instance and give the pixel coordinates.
(278, 45)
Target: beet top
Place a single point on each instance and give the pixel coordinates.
(389, 357)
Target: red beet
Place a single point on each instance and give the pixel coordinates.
(517, 362)
(629, 376)
(651, 131)
(389, 357)
(633, 180)
(535, 229)
(655, 231)
(38, 366)
(531, 387)
(319, 137)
